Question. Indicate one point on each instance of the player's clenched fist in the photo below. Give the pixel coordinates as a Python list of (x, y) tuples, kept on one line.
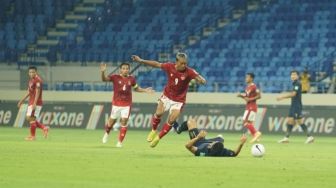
[(136, 58)]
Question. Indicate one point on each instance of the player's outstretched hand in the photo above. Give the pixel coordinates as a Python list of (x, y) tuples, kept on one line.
[(149, 90), (136, 58), (202, 134), (103, 67), (243, 139)]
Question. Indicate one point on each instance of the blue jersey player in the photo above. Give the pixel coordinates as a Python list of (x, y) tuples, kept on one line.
[(200, 146), (295, 111)]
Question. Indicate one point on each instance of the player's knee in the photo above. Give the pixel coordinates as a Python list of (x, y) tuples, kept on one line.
[(290, 121), (30, 118), (191, 123), (123, 122), (111, 121)]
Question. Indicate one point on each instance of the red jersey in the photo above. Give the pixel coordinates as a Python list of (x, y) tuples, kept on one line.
[(35, 83), (178, 82), (122, 89), (251, 91)]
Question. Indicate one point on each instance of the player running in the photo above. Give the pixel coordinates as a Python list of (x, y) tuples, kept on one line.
[(200, 146), (251, 95), (174, 94), (295, 111), (34, 93), (122, 99)]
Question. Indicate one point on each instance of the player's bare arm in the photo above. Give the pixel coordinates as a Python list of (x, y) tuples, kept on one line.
[(23, 99), (241, 95), (144, 90), (241, 144), (151, 63), (102, 70), (287, 96), (200, 80), (190, 144)]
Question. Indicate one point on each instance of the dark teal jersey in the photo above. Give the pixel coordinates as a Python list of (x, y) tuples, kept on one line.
[(296, 100)]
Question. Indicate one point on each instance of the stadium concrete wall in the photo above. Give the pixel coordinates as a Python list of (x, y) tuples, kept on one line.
[(220, 112)]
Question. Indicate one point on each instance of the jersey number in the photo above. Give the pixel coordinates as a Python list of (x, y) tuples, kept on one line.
[(124, 88), (176, 81)]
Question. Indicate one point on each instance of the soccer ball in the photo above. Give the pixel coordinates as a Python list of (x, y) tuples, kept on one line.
[(258, 150)]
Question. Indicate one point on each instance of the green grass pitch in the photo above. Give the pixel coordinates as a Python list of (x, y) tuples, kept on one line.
[(76, 158)]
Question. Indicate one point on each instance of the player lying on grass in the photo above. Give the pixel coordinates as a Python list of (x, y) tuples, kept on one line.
[(200, 146)]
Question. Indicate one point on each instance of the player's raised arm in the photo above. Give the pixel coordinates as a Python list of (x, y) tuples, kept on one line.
[(102, 70), (190, 144), (151, 63), (241, 144), (23, 99), (200, 80)]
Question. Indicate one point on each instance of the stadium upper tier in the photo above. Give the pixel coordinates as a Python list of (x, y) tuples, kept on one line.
[(270, 40)]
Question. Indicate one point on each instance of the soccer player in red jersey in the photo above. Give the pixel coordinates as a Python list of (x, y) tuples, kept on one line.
[(122, 99), (251, 95), (174, 94), (35, 103)]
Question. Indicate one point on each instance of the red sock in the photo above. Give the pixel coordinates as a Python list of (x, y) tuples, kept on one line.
[(251, 128), (32, 128), (108, 129), (155, 122), (40, 125), (165, 129), (122, 133)]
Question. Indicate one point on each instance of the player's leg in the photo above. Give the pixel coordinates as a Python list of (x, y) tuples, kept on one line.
[(32, 123), (290, 125), (156, 119), (310, 139), (180, 128), (249, 118), (44, 128), (115, 113), (173, 115), (192, 128), (109, 125), (123, 125)]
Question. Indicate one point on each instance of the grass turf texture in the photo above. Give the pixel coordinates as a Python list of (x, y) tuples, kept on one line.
[(76, 158)]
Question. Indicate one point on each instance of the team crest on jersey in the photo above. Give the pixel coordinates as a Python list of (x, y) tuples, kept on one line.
[(129, 82), (119, 82), (171, 75), (183, 77)]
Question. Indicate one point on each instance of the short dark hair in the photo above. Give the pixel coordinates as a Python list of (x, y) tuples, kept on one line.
[(295, 71), (32, 67), (182, 55), (216, 149), (251, 74), (127, 64)]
